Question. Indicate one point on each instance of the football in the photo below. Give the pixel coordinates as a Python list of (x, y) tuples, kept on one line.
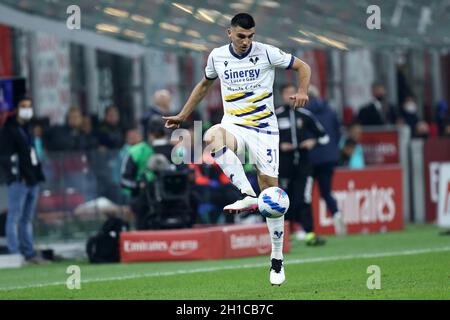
[(273, 202)]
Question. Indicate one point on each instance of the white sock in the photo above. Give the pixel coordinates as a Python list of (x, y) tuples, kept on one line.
[(233, 169), (276, 231)]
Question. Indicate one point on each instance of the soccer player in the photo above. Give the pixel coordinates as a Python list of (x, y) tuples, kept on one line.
[(246, 69)]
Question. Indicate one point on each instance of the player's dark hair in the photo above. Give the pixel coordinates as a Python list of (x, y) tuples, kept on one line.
[(243, 20)]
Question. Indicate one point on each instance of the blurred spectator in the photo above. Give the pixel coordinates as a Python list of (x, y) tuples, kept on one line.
[(132, 136), (442, 113), (327, 154), (38, 133), (88, 131), (158, 138), (23, 172), (348, 148), (325, 157), (422, 130), (162, 100), (378, 111), (135, 177), (354, 131), (446, 128), (71, 136), (408, 113), (109, 133)]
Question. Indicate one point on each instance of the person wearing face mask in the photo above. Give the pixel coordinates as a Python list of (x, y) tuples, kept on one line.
[(22, 168), (378, 112), (408, 112), (408, 115)]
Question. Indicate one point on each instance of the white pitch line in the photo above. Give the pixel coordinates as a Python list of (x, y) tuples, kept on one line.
[(243, 266)]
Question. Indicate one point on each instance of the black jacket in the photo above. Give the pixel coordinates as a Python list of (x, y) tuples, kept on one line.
[(110, 136), (65, 138), (370, 116), (18, 158), (296, 126)]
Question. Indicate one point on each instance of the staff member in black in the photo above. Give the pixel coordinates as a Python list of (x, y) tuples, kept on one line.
[(19, 160), (299, 133)]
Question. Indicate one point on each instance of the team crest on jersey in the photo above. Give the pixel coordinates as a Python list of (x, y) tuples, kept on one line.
[(254, 60)]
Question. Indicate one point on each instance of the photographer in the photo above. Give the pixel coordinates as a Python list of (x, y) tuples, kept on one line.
[(135, 176)]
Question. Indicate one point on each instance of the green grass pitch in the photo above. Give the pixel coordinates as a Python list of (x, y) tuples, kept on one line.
[(414, 264)]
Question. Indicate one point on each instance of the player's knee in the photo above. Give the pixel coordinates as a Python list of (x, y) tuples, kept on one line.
[(215, 136)]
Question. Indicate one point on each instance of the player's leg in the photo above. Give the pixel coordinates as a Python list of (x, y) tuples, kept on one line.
[(276, 231), (224, 148), (275, 225), (267, 155), (324, 175)]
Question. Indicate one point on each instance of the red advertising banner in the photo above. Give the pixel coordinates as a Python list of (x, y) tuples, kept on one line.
[(5, 51), (220, 242), (184, 244), (250, 240), (371, 200), (436, 151), (380, 147)]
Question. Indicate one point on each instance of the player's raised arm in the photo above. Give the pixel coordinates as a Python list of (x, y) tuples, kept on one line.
[(304, 76), (197, 95)]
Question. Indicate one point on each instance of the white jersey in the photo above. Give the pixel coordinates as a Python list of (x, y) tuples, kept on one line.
[(247, 84)]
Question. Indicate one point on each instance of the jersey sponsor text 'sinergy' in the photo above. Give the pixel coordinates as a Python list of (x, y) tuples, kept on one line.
[(247, 83)]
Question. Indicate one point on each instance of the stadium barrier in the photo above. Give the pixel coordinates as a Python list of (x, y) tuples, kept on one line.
[(371, 200), (381, 145), (389, 145), (231, 241)]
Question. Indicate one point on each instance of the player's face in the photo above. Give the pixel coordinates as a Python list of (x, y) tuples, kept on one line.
[(241, 38)]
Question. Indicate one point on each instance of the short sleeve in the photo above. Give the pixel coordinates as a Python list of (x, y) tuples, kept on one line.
[(210, 70), (279, 58)]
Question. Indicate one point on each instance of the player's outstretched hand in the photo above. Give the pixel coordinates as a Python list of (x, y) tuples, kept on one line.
[(173, 122), (300, 99)]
